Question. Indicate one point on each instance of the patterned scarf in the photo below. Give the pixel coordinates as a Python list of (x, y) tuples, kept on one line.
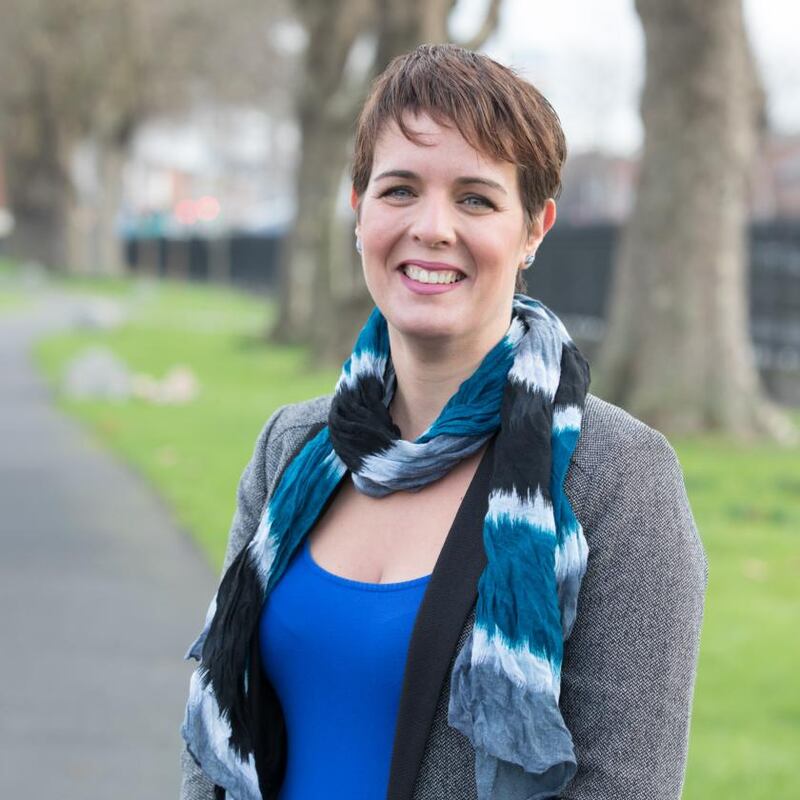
[(530, 390)]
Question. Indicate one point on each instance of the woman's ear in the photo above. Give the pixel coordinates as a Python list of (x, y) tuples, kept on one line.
[(355, 201), (542, 223), (549, 215)]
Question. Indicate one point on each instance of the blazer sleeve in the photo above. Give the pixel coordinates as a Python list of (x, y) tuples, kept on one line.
[(629, 665), (251, 497)]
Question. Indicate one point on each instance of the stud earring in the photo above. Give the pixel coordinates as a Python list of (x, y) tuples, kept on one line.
[(359, 248), (529, 259)]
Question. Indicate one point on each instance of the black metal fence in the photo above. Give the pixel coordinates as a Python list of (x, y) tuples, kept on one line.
[(572, 275), (246, 260)]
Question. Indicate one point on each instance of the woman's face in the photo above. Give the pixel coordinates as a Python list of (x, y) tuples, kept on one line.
[(443, 234)]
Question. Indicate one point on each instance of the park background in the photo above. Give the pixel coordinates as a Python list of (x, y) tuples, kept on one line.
[(173, 211)]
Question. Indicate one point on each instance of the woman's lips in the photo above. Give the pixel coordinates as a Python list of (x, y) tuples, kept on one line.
[(428, 288)]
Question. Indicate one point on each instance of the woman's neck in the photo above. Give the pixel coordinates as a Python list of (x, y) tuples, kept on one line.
[(427, 377)]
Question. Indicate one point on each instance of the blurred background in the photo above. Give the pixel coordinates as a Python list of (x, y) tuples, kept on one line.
[(177, 261)]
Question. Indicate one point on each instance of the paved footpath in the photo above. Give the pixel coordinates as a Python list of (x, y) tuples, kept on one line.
[(100, 594)]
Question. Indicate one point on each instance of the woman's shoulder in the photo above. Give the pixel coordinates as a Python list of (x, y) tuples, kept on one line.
[(284, 432), (627, 488), (301, 417), (619, 462), (609, 433)]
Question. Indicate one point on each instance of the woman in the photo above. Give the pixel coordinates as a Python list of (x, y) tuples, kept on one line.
[(480, 581)]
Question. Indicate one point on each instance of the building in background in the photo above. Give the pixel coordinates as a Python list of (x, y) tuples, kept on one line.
[(601, 188), (215, 171), (597, 188), (219, 170), (776, 179)]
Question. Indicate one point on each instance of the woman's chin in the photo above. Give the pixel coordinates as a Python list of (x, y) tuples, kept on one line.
[(426, 326)]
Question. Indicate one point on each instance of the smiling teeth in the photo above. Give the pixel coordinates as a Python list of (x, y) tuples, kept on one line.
[(433, 276)]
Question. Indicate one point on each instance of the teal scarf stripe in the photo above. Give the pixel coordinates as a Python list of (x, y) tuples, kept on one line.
[(475, 408), (530, 618), (370, 353), (299, 498), (572, 551), (563, 442)]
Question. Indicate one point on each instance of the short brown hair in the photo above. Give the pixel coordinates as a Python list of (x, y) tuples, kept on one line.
[(496, 111)]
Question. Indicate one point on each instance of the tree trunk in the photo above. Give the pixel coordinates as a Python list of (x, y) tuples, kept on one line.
[(325, 111), (108, 245), (39, 198), (678, 352), (93, 244), (305, 276)]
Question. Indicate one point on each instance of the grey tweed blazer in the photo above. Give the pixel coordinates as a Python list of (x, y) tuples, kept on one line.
[(629, 665)]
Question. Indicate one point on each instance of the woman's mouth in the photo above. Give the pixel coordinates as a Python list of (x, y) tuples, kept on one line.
[(422, 280), (431, 276)]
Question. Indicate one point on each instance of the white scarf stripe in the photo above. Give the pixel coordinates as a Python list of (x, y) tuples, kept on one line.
[(536, 510), (538, 368), (567, 418), (547, 316), (362, 365), (263, 552), (391, 467), (571, 555), (217, 733), (522, 667), (516, 331)]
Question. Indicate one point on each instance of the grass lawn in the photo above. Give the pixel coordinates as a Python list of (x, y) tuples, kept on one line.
[(746, 722), (12, 296), (192, 454), (746, 500), (12, 301)]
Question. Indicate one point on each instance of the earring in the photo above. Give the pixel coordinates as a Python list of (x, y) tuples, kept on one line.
[(529, 259), (359, 248)]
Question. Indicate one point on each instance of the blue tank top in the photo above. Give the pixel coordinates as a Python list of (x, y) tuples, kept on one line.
[(335, 650)]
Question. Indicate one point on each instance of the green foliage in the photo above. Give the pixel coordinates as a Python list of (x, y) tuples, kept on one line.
[(746, 722)]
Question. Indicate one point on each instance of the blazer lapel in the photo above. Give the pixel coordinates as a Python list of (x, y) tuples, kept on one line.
[(448, 600)]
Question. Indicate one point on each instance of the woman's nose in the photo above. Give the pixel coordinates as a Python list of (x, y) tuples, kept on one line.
[(433, 222)]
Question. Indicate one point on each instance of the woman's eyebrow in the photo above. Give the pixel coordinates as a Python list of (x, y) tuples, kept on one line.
[(409, 175)]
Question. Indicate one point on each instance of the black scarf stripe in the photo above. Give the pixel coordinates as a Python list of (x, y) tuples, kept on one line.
[(359, 423)]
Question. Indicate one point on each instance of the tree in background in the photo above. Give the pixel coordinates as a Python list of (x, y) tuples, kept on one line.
[(326, 98), (73, 69), (323, 300), (80, 72), (92, 71), (678, 353)]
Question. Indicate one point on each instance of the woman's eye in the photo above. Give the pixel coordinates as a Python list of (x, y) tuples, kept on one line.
[(479, 202), (406, 192), (400, 192)]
